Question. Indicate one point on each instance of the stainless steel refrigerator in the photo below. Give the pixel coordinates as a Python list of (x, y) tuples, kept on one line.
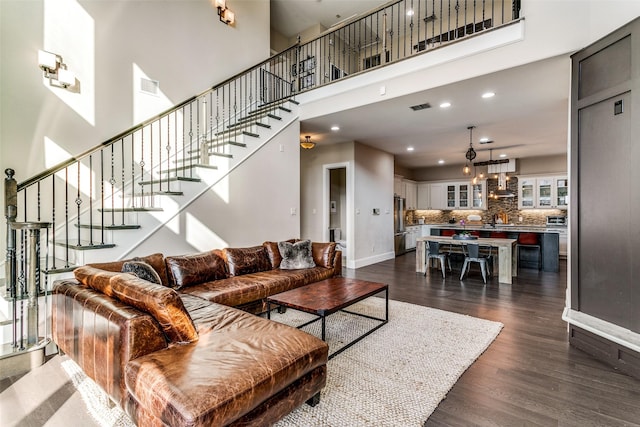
[(400, 234)]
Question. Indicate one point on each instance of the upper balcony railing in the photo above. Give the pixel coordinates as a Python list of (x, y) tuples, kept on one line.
[(396, 31)]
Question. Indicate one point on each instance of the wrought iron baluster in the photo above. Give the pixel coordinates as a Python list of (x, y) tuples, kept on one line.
[(78, 203), (90, 199), (122, 183), (112, 181), (101, 197)]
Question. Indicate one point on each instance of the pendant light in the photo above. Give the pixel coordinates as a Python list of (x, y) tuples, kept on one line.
[(470, 154)]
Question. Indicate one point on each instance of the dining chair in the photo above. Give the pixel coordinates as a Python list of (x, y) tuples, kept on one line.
[(472, 254), (433, 252)]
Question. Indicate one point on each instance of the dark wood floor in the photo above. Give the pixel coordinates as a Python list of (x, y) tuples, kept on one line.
[(529, 375)]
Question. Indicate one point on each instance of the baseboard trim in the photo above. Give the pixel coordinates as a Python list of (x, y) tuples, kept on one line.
[(612, 353), (363, 262)]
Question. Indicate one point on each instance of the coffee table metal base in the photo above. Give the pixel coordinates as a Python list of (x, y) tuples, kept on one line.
[(323, 314)]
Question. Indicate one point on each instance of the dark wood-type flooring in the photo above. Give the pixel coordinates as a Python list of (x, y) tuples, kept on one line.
[(529, 375)]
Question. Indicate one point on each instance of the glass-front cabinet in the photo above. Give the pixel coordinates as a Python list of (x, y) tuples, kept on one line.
[(543, 192), (526, 190), (451, 196), (463, 196), (477, 196), (562, 192)]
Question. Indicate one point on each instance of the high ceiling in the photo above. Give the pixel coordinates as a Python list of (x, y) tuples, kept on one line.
[(527, 117)]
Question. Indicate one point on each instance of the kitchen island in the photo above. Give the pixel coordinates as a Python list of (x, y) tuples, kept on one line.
[(548, 238), (507, 259)]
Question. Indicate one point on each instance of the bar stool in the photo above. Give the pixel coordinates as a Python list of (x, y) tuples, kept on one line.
[(472, 253), (433, 252), (531, 241)]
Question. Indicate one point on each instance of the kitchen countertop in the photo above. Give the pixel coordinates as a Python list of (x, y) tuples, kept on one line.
[(499, 227)]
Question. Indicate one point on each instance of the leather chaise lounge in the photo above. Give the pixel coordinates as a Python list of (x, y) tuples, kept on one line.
[(181, 352)]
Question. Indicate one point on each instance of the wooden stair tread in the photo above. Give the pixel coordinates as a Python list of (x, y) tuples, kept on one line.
[(109, 227), (85, 245)]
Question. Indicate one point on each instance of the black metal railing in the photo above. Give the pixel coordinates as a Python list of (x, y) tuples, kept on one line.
[(94, 190), (396, 31)]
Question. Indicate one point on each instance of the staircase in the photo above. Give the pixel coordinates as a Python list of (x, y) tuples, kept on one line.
[(101, 205)]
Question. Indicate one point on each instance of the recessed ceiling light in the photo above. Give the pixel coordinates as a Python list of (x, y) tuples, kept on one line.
[(445, 105), (503, 155), (484, 139), (409, 148), (335, 128), (441, 162), (410, 12), (488, 95)]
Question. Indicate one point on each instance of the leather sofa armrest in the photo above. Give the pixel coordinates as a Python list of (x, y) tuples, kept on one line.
[(337, 264), (101, 334)]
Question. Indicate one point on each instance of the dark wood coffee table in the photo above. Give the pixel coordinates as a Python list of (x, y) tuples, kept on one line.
[(330, 296)]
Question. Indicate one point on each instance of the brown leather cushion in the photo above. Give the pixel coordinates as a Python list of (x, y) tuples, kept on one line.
[(323, 254), (161, 302), (271, 248), (188, 270), (246, 260), (95, 278), (155, 260)]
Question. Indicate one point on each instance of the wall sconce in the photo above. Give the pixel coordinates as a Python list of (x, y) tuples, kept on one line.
[(225, 15), (55, 70)]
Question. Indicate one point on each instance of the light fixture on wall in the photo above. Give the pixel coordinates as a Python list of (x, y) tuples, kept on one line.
[(470, 154), (55, 70), (307, 143), (226, 15)]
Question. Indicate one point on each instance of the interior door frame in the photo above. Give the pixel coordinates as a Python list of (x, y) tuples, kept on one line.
[(326, 195)]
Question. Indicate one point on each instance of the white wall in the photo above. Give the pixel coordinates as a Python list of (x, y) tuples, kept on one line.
[(311, 181), (373, 183), (369, 237), (261, 194), (180, 43)]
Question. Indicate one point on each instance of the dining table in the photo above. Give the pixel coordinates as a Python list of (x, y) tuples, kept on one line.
[(507, 257)]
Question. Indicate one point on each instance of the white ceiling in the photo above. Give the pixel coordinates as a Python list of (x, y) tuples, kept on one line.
[(528, 116)]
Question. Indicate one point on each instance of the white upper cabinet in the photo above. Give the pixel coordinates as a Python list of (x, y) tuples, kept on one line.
[(411, 194), (398, 186), (548, 192), (437, 196)]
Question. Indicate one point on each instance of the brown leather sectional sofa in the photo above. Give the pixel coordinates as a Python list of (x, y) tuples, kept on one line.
[(182, 353)]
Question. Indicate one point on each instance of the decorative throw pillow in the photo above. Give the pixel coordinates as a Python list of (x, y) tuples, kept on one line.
[(142, 270), (296, 255), (188, 270), (271, 248), (246, 260), (161, 302)]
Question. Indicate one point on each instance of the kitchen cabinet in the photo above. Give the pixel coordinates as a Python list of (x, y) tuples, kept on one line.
[(431, 196), (464, 195), (411, 194), (398, 186), (413, 232), (424, 195), (549, 192), (437, 196), (479, 196)]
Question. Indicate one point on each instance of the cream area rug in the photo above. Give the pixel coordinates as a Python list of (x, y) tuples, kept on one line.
[(396, 376)]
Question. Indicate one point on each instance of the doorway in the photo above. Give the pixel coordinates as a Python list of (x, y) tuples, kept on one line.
[(336, 201)]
